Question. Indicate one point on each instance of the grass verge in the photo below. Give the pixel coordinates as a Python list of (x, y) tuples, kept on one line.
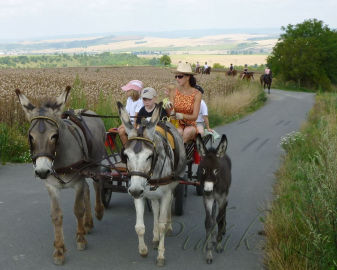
[(301, 227), (236, 105)]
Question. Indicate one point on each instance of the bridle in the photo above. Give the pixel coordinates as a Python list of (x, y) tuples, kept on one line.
[(42, 154), (148, 175)]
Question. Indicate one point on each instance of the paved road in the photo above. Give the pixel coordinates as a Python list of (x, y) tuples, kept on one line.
[(26, 233)]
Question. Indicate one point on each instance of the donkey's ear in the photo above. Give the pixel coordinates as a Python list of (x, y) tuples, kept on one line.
[(151, 126), (27, 107), (61, 100), (124, 116), (201, 146), (222, 147)]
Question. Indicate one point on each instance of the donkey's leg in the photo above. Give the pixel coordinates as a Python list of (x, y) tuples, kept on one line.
[(169, 228), (164, 208), (155, 210), (57, 218), (88, 221), (79, 210), (221, 220), (99, 207), (209, 225), (140, 227)]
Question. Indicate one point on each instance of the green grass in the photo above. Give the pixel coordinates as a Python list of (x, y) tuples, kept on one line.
[(301, 226)]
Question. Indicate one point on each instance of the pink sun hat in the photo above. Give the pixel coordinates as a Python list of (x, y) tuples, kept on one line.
[(133, 85)]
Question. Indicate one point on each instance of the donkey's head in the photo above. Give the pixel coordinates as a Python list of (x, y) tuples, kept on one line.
[(140, 151), (44, 130), (211, 167)]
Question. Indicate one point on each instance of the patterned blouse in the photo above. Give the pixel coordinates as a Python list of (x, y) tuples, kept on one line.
[(185, 104)]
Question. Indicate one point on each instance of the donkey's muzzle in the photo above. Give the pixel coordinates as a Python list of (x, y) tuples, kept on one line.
[(208, 192), (43, 174), (136, 193)]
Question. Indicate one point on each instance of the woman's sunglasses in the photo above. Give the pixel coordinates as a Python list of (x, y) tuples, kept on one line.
[(179, 76)]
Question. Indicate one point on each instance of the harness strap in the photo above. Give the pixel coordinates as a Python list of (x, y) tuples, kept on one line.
[(46, 118)]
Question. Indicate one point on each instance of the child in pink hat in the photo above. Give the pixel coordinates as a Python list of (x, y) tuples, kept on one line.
[(134, 103)]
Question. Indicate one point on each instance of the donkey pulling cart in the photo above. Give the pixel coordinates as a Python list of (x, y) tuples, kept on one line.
[(115, 177)]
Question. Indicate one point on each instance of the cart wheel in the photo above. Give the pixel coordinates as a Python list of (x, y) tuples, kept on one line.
[(179, 200), (106, 196)]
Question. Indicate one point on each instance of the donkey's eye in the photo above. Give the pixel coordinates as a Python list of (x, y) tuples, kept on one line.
[(149, 157), (215, 171), (54, 137)]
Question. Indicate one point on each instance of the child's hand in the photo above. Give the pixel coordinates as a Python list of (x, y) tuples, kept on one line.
[(210, 130)]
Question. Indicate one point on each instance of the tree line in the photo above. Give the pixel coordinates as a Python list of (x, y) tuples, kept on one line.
[(306, 54), (64, 60)]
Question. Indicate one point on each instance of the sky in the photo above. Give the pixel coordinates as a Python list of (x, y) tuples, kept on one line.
[(28, 19)]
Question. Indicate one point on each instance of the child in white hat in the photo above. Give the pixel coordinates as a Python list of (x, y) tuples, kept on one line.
[(149, 96)]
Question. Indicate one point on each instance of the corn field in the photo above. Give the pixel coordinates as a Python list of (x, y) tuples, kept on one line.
[(39, 84)]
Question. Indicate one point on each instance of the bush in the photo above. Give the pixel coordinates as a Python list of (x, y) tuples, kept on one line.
[(217, 65), (13, 145), (165, 60)]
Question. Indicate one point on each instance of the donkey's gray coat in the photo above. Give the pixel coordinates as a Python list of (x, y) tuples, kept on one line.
[(140, 153), (55, 146)]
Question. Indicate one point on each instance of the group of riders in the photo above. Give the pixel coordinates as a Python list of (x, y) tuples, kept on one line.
[(231, 70)]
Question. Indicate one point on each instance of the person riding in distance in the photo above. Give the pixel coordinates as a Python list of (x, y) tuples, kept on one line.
[(231, 68), (133, 104), (185, 101), (149, 96), (267, 72), (245, 71), (205, 66)]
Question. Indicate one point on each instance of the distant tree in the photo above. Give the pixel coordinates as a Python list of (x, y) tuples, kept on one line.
[(306, 53), (165, 60)]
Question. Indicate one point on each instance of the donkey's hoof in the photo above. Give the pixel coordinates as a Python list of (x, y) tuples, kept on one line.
[(219, 249), (80, 246), (169, 231), (155, 244), (99, 214), (143, 252), (209, 260), (160, 262), (59, 260)]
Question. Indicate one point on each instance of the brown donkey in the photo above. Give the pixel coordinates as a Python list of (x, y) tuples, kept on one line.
[(214, 174), (59, 151)]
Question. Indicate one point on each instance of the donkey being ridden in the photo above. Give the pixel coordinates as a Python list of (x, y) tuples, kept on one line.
[(214, 174), (153, 168), (58, 149)]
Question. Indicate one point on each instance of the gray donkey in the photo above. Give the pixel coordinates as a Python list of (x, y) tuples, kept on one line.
[(58, 150), (154, 168), (214, 174)]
